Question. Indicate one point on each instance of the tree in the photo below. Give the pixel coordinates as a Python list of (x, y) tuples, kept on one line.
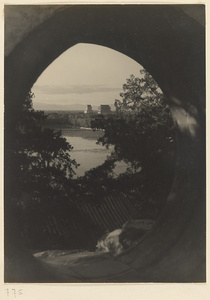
[(97, 123), (139, 94), (42, 159), (143, 130), (42, 173), (142, 133)]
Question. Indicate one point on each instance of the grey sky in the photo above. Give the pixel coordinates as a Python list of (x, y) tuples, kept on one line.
[(84, 74)]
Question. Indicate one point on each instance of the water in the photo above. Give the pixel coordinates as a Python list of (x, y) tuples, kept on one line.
[(90, 155)]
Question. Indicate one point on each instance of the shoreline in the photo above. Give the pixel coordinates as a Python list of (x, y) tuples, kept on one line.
[(83, 132)]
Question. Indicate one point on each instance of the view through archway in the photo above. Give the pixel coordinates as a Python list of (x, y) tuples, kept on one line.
[(111, 188)]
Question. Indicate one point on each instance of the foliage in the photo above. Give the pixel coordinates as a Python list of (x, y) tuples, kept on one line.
[(139, 94), (98, 123), (42, 172), (142, 132), (41, 157), (71, 119), (97, 182)]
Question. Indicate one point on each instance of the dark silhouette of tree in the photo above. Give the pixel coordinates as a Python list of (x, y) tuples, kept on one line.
[(42, 172), (142, 131), (98, 123), (143, 135), (41, 156)]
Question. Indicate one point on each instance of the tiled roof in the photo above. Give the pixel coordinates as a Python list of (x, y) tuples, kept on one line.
[(111, 213), (87, 221)]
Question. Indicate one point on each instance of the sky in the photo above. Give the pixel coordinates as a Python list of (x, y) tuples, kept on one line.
[(84, 74)]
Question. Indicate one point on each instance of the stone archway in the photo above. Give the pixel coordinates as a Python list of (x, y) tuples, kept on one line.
[(170, 45)]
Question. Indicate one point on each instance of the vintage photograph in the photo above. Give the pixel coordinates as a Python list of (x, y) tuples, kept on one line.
[(104, 144)]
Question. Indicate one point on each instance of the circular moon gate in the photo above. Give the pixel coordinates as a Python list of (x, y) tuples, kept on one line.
[(171, 46)]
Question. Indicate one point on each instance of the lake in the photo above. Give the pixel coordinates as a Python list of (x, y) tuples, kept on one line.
[(90, 155)]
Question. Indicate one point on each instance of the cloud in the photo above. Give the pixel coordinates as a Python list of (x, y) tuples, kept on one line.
[(74, 89)]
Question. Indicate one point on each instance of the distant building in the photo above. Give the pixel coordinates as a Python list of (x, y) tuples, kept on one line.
[(104, 109), (88, 109)]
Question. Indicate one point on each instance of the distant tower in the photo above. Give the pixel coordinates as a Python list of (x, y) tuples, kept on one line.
[(88, 109), (104, 109)]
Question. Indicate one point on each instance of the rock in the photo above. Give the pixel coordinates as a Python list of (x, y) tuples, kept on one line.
[(110, 242), (133, 230), (121, 239)]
